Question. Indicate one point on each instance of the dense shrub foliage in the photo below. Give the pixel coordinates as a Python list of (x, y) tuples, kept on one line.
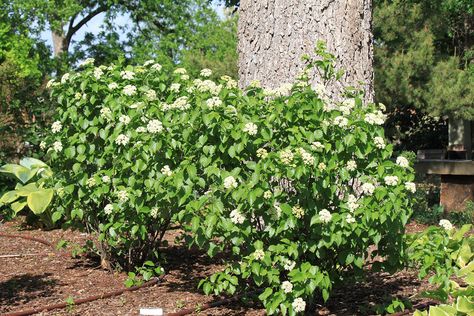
[(295, 185)]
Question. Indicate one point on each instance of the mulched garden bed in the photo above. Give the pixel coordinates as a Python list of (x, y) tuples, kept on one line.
[(32, 281)]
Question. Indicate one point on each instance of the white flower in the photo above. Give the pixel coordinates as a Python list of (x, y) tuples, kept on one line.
[(348, 103), (137, 105), (112, 86), (184, 77), (65, 77), (379, 142), (317, 146), (206, 72), (287, 287), (262, 153), (367, 188), (91, 182), (154, 212), (289, 265), (341, 121), (166, 171), (250, 128), (267, 195), (105, 113), (150, 94), (446, 224), (122, 139), (77, 95), (231, 84), (410, 186), (156, 67), (42, 145), (180, 71), (154, 126), (352, 204), (86, 62), (106, 179), (351, 165), (391, 180), (230, 182), (297, 211), (236, 217), (255, 84), (259, 254), (122, 196), (299, 305), (308, 159), (125, 119), (98, 73), (320, 89), (128, 75), (325, 216), (321, 166), (277, 207), (375, 118), (350, 219), (213, 102), (56, 127), (108, 209), (141, 129), (286, 156), (180, 103), (129, 90), (50, 83), (175, 87), (403, 162), (148, 62), (207, 86), (57, 146)]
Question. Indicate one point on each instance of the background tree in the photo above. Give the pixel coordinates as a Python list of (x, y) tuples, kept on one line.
[(273, 35)]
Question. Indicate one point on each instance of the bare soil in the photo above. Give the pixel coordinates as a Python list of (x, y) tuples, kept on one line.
[(32, 276)]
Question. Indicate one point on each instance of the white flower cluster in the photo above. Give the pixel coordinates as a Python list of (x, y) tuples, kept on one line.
[(287, 287), (98, 73), (289, 265), (282, 90), (207, 86), (122, 196), (65, 77), (206, 72), (112, 86), (325, 216), (137, 105), (262, 153), (108, 209), (122, 139), (154, 126), (141, 129), (127, 75), (236, 217), (410, 186), (391, 180), (267, 195), (307, 158), (56, 127), (88, 61), (299, 305), (259, 254), (446, 224), (250, 128), (352, 204), (148, 62), (277, 207), (379, 142), (286, 156), (213, 102), (403, 162), (322, 166), (180, 103), (297, 211), (125, 119), (346, 106), (150, 94), (341, 121), (350, 219), (129, 90), (105, 113), (375, 118), (317, 146), (42, 145), (180, 71), (57, 146), (255, 84), (166, 171), (106, 179), (230, 83), (91, 182), (367, 188), (351, 165), (156, 67), (175, 87), (230, 182)]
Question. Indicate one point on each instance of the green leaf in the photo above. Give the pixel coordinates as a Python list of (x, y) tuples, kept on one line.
[(18, 206), (22, 173), (38, 201)]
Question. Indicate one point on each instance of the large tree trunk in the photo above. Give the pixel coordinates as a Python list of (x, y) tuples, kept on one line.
[(274, 34), (60, 43)]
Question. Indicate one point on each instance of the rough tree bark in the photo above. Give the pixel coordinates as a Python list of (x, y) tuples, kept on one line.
[(274, 34)]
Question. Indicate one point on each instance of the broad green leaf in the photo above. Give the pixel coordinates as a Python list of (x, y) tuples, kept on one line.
[(39, 200)]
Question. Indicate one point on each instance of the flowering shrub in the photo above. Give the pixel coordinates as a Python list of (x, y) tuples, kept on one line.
[(295, 184)]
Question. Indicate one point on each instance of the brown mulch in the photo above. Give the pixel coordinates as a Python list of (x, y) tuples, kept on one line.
[(33, 281)]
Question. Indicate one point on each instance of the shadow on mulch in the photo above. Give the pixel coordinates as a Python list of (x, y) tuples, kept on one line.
[(24, 288)]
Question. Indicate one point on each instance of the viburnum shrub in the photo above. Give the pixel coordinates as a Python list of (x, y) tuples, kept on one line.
[(295, 184)]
